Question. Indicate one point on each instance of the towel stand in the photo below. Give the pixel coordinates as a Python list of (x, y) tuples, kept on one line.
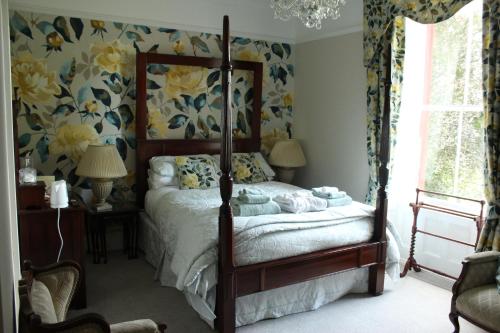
[(411, 262)]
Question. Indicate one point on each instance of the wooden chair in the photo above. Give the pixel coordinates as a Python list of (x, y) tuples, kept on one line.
[(45, 294), (475, 296)]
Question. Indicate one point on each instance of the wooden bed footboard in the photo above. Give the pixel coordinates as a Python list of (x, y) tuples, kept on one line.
[(283, 272)]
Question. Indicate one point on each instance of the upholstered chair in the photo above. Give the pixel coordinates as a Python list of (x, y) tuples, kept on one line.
[(475, 294), (45, 295)]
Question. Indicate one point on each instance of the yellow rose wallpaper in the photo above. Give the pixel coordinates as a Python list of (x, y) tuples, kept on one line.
[(75, 79), (114, 57), (185, 80), (72, 140), (34, 83)]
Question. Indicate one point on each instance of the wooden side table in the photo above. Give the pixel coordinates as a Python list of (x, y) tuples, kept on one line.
[(96, 230), (39, 240)]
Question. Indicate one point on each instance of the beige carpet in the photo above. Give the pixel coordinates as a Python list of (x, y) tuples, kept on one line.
[(124, 290)]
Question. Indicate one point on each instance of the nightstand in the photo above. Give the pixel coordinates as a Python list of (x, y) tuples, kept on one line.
[(39, 240), (96, 221)]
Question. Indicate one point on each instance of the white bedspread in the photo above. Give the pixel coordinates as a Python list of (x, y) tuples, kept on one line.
[(188, 222)]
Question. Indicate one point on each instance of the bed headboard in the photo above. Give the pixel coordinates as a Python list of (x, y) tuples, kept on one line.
[(147, 148)]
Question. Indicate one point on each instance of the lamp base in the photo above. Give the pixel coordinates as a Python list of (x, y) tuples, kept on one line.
[(285, 175), (102, 207), (102, 189)]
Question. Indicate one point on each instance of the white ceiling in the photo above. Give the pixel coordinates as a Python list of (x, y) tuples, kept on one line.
[(249, 18)]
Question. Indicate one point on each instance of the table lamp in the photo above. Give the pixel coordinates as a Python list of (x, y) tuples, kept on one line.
[(101, 163), (287, 155)]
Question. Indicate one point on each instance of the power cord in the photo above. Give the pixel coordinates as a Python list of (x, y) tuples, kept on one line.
[(59, 231)]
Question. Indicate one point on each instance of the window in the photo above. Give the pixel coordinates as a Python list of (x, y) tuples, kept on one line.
[(452, 150), (440, 135)]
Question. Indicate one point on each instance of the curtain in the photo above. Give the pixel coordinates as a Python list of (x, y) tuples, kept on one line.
[(490, 234), (384, 24)]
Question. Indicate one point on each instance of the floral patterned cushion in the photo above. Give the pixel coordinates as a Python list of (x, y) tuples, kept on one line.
[(197, 172), (247, 169)]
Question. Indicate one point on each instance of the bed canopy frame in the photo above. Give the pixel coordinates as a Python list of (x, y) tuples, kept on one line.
[(236, 281)]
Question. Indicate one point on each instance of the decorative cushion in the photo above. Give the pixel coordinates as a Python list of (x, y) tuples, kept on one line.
[(268, 170), (265, 166), (61, 283), (197, 172), (247, 169), (481, 304), (41, 302)]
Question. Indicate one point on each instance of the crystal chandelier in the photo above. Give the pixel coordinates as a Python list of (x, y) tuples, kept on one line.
[(310, 12)]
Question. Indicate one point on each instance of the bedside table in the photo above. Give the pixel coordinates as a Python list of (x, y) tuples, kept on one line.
[(39, 240), (96, 230)]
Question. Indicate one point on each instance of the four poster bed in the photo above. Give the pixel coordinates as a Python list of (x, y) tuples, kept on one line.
[(235, 277)]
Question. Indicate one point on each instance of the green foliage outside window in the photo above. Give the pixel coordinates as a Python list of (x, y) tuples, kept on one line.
[(456, 115)]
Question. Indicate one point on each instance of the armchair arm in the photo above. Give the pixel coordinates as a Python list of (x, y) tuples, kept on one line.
[(138, 326), (478, 269), (87, 323)]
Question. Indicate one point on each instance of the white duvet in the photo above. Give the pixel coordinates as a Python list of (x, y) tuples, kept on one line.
[(188, 223)]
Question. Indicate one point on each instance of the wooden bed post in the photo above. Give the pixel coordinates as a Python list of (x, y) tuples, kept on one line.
[(377, 272), (226, 285)]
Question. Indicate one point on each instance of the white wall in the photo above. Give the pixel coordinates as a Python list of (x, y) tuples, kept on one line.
[(350, 20), (9, 253), (330, 113)]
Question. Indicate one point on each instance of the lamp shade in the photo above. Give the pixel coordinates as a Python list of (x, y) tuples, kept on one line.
[(101, 161), (287, 154)]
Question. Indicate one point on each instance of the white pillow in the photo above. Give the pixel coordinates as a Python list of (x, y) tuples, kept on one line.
[(155, 181), (163, 165), (263, 164)]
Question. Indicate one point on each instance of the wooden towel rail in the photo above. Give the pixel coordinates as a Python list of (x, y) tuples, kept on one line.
[(411, 262)]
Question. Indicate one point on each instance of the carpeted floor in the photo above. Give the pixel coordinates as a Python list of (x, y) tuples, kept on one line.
[(124, 290)]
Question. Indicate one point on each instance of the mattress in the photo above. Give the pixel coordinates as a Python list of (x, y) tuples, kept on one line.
[(186, 221)]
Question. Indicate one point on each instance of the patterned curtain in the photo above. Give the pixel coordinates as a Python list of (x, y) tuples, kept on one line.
[(490, 235), (384, 18)]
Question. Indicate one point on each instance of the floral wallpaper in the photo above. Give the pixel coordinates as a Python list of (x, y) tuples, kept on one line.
[(186, 102), (76, 81)]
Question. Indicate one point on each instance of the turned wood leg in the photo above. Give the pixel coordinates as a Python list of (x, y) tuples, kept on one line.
[(454, 320)]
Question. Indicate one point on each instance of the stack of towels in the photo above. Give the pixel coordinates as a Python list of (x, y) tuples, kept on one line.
[(320, 198), (300, 202), (253, 202), (332, 196)]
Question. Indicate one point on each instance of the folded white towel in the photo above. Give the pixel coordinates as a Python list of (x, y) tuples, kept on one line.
[(300, 202)]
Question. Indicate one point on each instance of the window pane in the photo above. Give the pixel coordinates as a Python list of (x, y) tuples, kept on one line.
[(454, 156), (470, 175), (441, 150), (448, 61)]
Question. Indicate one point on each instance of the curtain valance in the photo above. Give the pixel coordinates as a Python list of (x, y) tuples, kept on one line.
[(379, 14)]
